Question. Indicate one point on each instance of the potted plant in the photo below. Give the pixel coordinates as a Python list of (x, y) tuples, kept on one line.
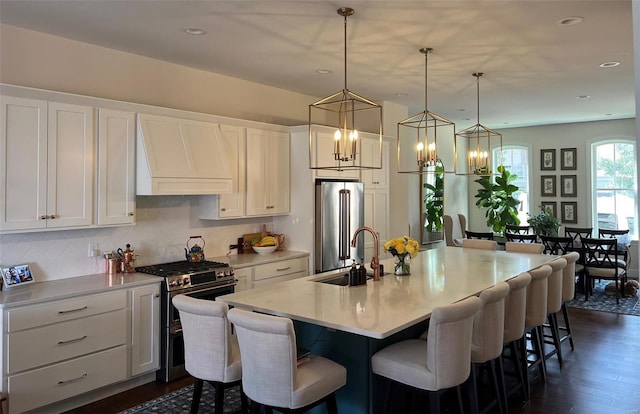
[(544, 223), (434, 206), (498, 200)]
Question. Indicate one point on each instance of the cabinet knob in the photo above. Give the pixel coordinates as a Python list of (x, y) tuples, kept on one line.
[(131, 214), (43, 217), (157, 295), (223, 209), (52, 216)]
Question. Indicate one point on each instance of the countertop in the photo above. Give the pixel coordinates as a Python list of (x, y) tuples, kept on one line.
[(45, 291), (239, 261), (379, 309)]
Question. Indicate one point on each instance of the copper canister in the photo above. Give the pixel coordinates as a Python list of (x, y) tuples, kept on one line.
[(113, 265)]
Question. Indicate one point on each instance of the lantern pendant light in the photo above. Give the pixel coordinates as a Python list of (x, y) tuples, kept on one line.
[(346, 113), (476, 143), (424, 139)]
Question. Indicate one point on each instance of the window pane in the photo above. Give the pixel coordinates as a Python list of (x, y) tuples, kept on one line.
[(516, 160)]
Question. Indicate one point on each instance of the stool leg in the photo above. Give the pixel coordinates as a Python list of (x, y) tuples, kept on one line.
[(219, 398), (197, 392), (525, 365), (332, 406), (473, 389), (502, 395), (567, 325)]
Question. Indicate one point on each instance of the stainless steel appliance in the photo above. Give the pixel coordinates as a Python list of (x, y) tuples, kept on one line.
[(202, 280), (339, 211)]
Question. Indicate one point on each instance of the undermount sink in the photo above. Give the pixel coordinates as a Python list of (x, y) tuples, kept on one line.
[(343, 279)]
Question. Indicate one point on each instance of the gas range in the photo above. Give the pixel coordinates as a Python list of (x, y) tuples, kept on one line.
[(184, 274)]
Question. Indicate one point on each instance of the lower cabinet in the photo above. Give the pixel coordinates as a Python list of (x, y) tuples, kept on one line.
[(64, 348), (269, 273)]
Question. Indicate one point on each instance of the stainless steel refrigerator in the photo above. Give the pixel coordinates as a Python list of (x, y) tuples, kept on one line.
[(339, 212)]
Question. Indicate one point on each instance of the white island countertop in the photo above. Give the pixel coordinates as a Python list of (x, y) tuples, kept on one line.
[(379, 309)]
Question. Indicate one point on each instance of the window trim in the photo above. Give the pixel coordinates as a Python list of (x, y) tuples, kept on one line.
[(529, 149)]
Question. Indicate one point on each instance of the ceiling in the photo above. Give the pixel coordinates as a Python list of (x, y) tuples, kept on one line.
[(534, 68)]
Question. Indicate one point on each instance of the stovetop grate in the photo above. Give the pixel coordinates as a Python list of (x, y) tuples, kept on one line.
[(179, 268)]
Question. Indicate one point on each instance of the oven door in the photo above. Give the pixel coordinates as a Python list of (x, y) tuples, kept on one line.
[(206, 293)]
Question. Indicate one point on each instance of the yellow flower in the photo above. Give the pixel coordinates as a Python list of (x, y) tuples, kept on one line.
[(402, 245)]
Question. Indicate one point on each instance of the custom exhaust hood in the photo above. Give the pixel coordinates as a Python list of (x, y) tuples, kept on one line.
[(180, 157)]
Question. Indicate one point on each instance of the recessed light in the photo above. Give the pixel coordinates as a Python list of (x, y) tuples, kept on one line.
[(570, 21), (401, 94), (611, 64), (461, 109), (608, 114), (324, 71), (583, 96), (466, 119), (194, 31)]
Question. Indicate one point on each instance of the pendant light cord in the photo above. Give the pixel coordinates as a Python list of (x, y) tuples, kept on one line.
[(345, 51)]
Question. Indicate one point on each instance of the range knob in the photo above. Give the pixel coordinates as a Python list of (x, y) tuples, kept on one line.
[(173, 283), (186, 281)]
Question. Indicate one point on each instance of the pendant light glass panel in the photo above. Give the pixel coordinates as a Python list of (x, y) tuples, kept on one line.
[(426, 140), (348, 114)]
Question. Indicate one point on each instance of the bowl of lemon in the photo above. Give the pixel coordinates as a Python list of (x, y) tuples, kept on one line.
[(267, 245)]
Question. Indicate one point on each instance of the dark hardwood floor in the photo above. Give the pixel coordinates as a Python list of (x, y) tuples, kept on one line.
[(602, 375)]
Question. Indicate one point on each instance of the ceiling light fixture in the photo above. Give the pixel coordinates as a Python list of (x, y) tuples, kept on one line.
[(611, 64), (419, 150), (478, 141), (194, 31), (345, 111)]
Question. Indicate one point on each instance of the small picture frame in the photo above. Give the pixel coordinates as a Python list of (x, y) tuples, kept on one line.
[(16, 275), (568, 159), (548, 159), (568, 186), (548, 185), (550, 205), (569, 212)]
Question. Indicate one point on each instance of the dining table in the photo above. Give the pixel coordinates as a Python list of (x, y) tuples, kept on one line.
[(348, 324)]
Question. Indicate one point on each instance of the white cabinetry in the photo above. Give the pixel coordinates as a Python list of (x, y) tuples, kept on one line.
[(116, 167), (280, 271), (377, 178), (244, 278), (46, 164), (145, 329), (376, 195), (267, 173)]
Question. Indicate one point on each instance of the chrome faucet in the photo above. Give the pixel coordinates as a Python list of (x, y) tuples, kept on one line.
[(375, 260)]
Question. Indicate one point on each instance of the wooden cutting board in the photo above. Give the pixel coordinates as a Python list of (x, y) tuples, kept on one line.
[(247, 238)]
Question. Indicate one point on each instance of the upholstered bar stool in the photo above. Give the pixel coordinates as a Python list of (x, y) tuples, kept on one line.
[(211, 351), (535, 316), (568, 293), (535, 248), (515, 307), (487, 344), (554, 305), (271, 376), (480, 244), (441, 362)]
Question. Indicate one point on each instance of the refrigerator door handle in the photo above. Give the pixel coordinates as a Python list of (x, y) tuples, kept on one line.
[(345, 224)]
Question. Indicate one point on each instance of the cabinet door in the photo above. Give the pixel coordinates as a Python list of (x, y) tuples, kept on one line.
[(324, 157), (145, 329), (375, 178), (245, 279), (233, 147), (376, 207), (23, 164), (278, 180), (70, 165), (116, 167)]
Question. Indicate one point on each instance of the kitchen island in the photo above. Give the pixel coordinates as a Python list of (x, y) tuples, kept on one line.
[(349, 324)]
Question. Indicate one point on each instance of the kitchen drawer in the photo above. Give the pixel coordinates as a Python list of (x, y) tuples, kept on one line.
[(52, 343), (47, 385), (277, 279), (283, 267), (64, 310)]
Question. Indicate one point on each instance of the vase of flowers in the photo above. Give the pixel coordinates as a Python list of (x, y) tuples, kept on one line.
[(403, 250)]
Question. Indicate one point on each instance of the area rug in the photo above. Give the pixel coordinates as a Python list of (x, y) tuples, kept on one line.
[(179, 401), (606, 302)]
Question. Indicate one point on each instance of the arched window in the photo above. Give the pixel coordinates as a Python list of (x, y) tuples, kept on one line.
[(615, 199), (515, 158)]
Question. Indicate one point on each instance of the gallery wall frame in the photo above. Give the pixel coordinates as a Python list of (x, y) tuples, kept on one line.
[(569, 211), (548, 185), (568, 159), (568, 185), (550, 205), (548, 159)]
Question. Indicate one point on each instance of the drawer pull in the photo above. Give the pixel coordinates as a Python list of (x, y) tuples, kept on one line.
[(283, 269), (69, 341), (72, 310), (83, 376)]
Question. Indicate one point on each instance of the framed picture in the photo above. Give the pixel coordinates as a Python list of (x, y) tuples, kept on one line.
[(568, 159), (568, 188), (548, 185), (569, 212), (550, 205), (16, 275), (548, 159)]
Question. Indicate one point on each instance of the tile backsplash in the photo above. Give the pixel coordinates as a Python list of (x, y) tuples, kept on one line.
[(163, 226)]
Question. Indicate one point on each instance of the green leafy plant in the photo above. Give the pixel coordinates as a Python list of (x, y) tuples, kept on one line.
[(434, 201), (544, 223), (496, 196)]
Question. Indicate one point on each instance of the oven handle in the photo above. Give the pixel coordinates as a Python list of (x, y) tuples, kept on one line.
[(194, 289)]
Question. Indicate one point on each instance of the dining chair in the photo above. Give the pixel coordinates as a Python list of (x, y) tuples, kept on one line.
[(453, 231), (441, 362), (479, 235), (535, 248), (535, 317), (480, 244), (487, 343), (623, 242), (272, 377), (603, 260), (554, 305), (211, 351), (568, 293), (510, 228), (515, 307), (521, 238), (577, 233), (557, 245)]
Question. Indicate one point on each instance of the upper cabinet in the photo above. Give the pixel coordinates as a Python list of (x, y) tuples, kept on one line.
[(116, 167), (178, 156), (46, 165), (267, 173), (375, 178)]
